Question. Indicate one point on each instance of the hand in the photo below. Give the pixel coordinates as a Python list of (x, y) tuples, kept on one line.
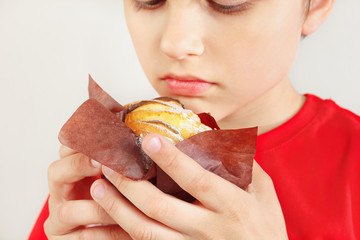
[(71, 206), (223, 211)]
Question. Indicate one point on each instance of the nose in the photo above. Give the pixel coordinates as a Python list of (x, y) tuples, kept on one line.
[(181, 37)]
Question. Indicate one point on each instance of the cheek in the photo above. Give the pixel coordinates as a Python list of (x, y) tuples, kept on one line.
[(143, 37), (142, 46), (261, 52)]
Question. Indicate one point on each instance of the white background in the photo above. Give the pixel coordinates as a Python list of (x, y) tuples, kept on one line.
[(47, 50)]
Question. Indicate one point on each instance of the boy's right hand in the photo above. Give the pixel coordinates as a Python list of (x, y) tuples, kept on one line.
[(72, 209)]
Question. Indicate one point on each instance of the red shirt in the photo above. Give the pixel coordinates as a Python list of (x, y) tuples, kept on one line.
[(314, 162)]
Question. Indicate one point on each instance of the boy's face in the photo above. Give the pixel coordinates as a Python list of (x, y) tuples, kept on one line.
[(241, 50)]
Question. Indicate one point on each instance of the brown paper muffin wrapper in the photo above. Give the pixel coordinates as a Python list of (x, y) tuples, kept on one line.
[(97, 130)]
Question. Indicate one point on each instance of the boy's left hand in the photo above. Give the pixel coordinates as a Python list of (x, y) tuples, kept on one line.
[(223, 210)]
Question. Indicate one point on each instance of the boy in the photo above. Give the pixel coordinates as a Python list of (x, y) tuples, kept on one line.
[(230, 58)]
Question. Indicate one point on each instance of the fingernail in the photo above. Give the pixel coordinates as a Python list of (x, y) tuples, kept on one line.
[(95, 164), (99, 191), (153, 145), (107, 171)]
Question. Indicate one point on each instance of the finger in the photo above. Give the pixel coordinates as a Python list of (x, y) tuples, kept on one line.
[(72, 214), (211, 190), (155, 204), (112, 232), (70, 170), (133, 221), (65, 151)]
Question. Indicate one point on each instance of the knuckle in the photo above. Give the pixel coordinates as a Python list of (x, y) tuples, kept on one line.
[(172, 162), (142, 232), (64, 212), (114, 233), (52, 170), (100, 212), (77, 162), (233, 214), (232, 206), (121, 182), (65, 151), (52, 203), (237, 210), (47, 227), (111, 206), (267, 181), (159, 208), (62, 151), (200, 182)]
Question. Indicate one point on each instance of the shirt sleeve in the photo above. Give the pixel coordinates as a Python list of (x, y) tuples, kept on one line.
[(38, 232)]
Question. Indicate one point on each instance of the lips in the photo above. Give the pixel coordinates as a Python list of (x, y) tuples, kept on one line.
[(186, 85)]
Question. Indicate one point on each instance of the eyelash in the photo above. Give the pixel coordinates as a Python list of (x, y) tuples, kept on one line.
[(230, 9), (148, 5), (224, 9)]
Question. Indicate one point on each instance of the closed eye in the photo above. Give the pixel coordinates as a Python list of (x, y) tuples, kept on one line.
[(149, 5), (230, 9)]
